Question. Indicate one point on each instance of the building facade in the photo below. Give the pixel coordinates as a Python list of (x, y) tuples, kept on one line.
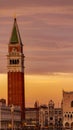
[(51, 114), (15, 57), (32, 116), (55, 116), (58, 114), (43, 116), (67, 110), (7, 116)]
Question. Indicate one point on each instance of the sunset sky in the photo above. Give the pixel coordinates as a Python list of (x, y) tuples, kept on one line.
[(46, 28)]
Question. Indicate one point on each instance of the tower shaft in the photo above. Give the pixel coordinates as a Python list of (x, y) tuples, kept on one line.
[(16, 89)]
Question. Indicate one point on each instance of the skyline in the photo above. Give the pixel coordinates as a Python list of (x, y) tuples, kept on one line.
[(46, 30), (46, 88)]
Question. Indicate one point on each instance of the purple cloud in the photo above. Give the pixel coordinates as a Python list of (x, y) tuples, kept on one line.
[(47, 33)]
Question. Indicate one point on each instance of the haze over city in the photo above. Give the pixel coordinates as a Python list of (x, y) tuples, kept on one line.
[(46, 29)]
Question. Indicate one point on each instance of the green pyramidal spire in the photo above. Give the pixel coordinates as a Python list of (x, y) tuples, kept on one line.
[(15, 36)]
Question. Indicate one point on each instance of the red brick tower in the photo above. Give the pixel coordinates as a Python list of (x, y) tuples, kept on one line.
[(16, 95)]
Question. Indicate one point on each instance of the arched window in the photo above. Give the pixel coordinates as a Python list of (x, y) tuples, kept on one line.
[(17, 61), (10, 61), (51, 124), (13, 61), (72, 125), (71, 116), (67, 125), (68, 115), (51, 118), (71, 103)]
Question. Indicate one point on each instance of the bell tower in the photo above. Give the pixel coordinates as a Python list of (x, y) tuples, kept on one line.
[(15, 58)]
